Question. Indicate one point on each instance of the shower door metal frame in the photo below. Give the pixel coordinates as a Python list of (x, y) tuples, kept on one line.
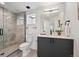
[(2, 31)]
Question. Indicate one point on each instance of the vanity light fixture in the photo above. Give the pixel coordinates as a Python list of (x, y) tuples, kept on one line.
[(50, 10)]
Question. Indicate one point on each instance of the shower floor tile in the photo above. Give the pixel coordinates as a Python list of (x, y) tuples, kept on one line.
[(9, 50), (18, 53)]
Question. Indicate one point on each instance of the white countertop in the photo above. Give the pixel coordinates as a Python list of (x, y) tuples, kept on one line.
[(52, 36)]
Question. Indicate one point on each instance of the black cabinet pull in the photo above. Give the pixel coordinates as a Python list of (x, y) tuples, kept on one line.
[(52, 41)]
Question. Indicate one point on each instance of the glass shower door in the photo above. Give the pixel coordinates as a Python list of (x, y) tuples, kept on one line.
[(10, 41), (1, 33), (11, 34)]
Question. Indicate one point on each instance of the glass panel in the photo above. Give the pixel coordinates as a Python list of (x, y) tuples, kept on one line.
[(13, 33), (1, 28), (10, 41)]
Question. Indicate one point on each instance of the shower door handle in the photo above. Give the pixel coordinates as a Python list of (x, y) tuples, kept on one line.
[(1, 31)]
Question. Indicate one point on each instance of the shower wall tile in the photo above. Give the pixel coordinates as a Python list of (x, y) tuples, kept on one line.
[(9, 28)]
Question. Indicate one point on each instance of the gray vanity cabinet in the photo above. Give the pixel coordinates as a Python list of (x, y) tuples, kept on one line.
[(54, 47), (44, 47)]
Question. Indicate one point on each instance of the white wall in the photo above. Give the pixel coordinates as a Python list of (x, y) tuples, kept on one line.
[(33, 30), (71, 14)]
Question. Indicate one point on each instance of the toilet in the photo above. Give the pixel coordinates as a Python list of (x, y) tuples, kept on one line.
[(25, 47)]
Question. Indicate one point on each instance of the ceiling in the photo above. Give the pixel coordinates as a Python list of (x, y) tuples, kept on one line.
[(17, 7)]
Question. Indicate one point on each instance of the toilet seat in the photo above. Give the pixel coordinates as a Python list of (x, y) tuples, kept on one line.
[(25, 47)]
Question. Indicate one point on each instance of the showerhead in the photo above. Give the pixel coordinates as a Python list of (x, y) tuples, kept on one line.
[(67, 21)]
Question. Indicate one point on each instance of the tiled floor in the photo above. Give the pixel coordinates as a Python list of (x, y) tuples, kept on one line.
[(33, 53), (18, 53)]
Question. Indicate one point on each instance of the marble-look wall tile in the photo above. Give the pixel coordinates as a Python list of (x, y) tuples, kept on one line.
[(9, 28)]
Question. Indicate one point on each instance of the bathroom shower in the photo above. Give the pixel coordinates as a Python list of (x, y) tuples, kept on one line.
[(11, 33)]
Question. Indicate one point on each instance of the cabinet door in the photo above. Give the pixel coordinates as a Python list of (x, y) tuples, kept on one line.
[(62, 48), (43, 47)]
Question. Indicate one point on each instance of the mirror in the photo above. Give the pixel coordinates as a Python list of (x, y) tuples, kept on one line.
[(50, 19)]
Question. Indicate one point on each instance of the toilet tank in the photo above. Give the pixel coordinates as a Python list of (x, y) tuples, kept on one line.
[(29, 38)]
